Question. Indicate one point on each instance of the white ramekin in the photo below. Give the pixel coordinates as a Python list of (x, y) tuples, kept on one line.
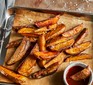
[(77, 64)]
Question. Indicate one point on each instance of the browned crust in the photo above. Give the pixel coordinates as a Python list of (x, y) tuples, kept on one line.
[(73, 31), (47, 22)]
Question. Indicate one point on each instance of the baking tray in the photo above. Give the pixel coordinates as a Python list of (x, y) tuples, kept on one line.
[(81, 6), (70, 20)]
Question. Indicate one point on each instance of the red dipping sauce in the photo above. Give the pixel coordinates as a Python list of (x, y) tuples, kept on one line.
[(71, 72)]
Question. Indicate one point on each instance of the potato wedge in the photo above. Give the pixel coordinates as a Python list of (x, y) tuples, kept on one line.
[(81, 37), (25, 68), (77, 49), (81, 56), (47, 22), (17, 78), (60, 57), (45, 72), (56, 40), (20, 51), (14, 43), (45, 55), (62, 46), (73, 31), (83, 74), (26, 30), (42, 42), (59, 30)]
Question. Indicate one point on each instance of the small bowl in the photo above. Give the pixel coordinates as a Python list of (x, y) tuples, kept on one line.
[(72, 64)]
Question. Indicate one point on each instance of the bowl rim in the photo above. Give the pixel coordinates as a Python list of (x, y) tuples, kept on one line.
[(77, 64)]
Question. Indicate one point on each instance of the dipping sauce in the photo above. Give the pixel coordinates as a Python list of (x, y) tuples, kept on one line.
[(71, 72)]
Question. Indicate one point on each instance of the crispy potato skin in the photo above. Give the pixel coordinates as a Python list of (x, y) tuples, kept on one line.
[(25, 68), (13, 44), (45, 72), (45, 55), (20, 51), (77, 49), (81, 74), (42, 42), (73, 31), (62, 46), (53, 33), (17, 78), (58, 58), (81, 37), (78, 57), (47, 22)]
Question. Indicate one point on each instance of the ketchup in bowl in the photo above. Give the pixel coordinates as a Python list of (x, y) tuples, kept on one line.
[(73, 70)]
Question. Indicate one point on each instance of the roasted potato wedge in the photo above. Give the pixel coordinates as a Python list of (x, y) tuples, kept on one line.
[(26, 30), (59, 30), (83, 74), (47, 22), (62, 46), (81, 37), (78, 57), (45, 72), (73, 31), (17, 78), (77, 49), (20, 51), (25, 68), (42, 42), (14, 43), (56, 40), (45, 55), (60, 57)]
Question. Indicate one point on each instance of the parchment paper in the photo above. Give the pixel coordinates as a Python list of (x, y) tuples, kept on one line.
[(70, 21)]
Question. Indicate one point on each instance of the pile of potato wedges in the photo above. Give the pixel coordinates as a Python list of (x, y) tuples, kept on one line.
[(48, 45)]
